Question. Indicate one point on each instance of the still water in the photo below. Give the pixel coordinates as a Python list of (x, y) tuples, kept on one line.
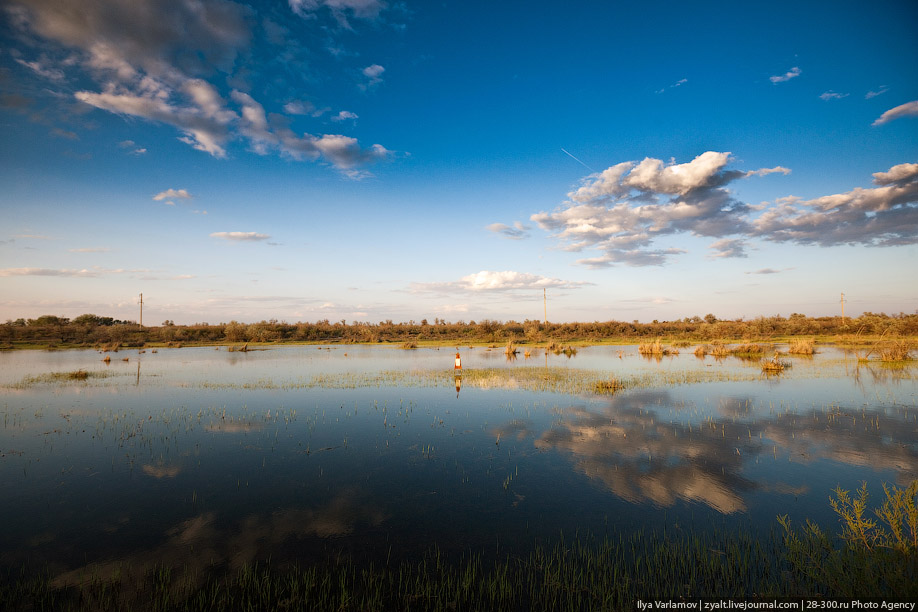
[(197, 456)]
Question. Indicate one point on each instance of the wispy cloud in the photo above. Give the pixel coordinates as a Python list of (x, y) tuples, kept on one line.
[(363, 9), (176, 73), (43, 70), (91, 250), (909, 109), (240, 236), (678, 83), (873, 94), (517, 232), (345, 116), (173, 194), (489, 281), (831, 95), (787, 76), (768, 271)]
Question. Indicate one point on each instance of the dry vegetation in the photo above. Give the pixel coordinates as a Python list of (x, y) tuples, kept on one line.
[(107, 333)]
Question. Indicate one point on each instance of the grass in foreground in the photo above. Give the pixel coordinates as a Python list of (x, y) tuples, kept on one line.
[(864, 560)]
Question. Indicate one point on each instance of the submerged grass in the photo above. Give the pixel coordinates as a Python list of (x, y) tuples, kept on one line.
[(586, 573), (527, 378), (61, 377), (580, 574)]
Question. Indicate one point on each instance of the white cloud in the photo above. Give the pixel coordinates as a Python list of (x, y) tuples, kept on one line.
[(728, 247), (787, 76), (91, 250), (52, 74), (831, 95), (47, 272), (344, 116), (909, 109), (625, 211), (160, 60), (240, 236), (767, 171), (873, 94), (886, 215), (517, 232), (373, 73), (364, 9), (488, 281), (173, 193)]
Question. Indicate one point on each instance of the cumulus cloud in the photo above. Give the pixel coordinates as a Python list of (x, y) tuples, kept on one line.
[(373, 74), (624, 209), (627, 210), (240, 236), (728, 247), (173, 193), (343, 152), (517, 232), (488, 281), (787, 76), (909, 109), (885, 215)]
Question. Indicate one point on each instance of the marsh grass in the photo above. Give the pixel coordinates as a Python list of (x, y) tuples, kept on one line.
[(656, 348), (408, 345), (61, 377), (583, 573), (748, 349), (773, 366), (865, 557), (801, 346), (895, 350)]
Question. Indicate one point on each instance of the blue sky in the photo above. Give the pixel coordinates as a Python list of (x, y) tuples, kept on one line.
[(368, 160)]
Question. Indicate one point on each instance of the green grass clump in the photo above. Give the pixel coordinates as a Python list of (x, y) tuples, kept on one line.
[(866, 557)]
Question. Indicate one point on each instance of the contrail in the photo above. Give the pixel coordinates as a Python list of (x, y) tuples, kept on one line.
[(574, 158)]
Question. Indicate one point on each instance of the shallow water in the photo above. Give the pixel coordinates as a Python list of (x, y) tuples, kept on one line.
[(197, 456)]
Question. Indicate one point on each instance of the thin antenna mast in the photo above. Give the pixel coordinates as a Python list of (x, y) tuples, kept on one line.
[(843, 308), (141, 310), (545, 300)]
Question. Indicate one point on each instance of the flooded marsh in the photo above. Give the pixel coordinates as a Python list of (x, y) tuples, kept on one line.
[(198, 458)]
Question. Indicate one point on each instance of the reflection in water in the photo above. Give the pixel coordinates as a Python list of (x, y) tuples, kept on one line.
[(202, 542), (639, 458)]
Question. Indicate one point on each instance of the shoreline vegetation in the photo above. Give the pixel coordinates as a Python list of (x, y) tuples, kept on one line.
[(875, 553), (888, 337)]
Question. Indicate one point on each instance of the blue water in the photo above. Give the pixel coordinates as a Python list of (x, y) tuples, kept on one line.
[(198, 455)]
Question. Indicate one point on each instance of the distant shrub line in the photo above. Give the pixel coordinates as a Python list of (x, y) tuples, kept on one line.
[(93, 330)]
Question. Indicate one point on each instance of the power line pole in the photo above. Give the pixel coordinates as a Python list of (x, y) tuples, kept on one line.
[(545, 300), (843, 308), (141, 310)]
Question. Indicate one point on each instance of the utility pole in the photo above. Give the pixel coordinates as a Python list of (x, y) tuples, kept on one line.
[(843, 308), (141, 310), (545, 300)]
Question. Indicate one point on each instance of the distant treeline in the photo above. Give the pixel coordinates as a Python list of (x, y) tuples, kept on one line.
[(93, 330)]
